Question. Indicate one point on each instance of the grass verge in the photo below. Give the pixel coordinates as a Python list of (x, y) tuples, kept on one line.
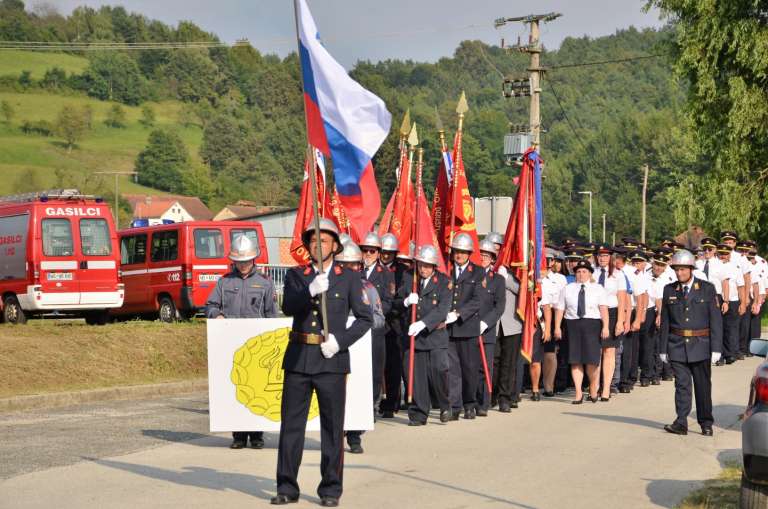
[(52, 356), (719, 493)]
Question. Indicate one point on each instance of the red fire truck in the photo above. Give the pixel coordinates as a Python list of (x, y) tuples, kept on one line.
[(59, 255), (170, 269)]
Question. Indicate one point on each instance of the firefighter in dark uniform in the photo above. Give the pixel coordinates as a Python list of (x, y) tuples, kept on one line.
[(691, 340), (433, 301), (493, 297), (464, 328), (384, 282), (243, 293), (394, 331), (314, 362)]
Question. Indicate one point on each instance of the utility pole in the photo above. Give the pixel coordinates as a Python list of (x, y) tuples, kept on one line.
[(645, 191), (117, 193), (603, 228), (535, 71)]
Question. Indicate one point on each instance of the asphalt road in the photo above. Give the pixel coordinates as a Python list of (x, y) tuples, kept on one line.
[(157, 453)]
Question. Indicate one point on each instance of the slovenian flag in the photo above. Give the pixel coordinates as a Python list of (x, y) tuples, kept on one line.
[(344, 121)]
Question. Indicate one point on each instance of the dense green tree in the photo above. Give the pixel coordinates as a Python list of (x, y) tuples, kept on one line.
[(163, 162), (115, 76), (115, 117), (7, 111), (147, 116), (71, 124)]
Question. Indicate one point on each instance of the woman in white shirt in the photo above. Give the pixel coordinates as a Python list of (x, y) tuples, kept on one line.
[(584, 306), (615, 284)]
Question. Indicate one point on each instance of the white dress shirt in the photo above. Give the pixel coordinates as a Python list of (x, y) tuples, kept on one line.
[(614, 283), (594, 297), (735, 277)]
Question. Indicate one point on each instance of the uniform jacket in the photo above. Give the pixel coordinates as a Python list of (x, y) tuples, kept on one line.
[(384, 281), (510, 320), (492, 301), (397, 318), (698, 310), (345, 294), (434, 304), (466, 301), (237, 297)]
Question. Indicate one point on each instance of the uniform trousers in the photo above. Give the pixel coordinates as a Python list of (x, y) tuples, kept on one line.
[(393, 372), (629, 354), (483, 396), (331, 389), (242, 436), (731, 323), (378, 352), (430, 376), (700, 372), (463, 362), (648, 346), (745, 329), (663, 369), (508, 364)]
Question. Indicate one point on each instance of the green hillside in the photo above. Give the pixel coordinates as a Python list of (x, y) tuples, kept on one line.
[(26, 156), (13, 62)]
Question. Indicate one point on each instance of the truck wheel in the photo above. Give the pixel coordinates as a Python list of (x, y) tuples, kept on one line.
[(753, 496), (167, 312), (97, 317), (12, 312)]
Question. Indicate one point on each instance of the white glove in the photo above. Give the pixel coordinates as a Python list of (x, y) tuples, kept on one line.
[(415, 328), (319, 284), (412, 298), (483, 327), (716, 357), (664, 358), (330, 346), (452, 317), (502, 272)]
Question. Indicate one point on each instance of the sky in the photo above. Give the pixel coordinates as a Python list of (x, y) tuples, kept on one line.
[(420, 30)]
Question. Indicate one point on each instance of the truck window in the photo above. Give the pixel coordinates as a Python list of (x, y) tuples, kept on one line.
[(209, 243), (57, 237), (94, 237), (133, 249), (248, 232), (165, 246)]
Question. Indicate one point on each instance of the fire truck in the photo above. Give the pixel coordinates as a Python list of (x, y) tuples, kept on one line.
[(170, 269), (58, 255)]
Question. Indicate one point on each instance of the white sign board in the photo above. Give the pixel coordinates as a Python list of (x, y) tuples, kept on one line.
[(245, 377)]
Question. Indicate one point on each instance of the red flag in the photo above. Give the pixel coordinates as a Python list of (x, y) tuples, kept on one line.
[(402, 210), (463, 211), (305, 213), (339, 215), (425, 233), (386, 219), (523, 249), (440, 200)]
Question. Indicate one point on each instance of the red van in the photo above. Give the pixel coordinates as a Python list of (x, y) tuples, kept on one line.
[(170, 269), (58, 254)]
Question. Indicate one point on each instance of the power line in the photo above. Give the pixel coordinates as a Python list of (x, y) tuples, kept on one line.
[(602, 62), (570, 124)]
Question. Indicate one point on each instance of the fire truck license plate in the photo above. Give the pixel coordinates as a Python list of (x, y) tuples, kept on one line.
[(209, 277), (60, 276)]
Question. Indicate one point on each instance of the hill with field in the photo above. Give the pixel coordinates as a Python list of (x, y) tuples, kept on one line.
[(228, 121)]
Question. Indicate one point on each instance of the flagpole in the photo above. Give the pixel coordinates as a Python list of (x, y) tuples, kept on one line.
[(311, 156), (405, 128), (461, 108), (413, 140)]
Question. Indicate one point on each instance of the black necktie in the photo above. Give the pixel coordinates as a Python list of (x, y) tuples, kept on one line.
[(706, 268), (601, 281), (581, 310), (685, 292)]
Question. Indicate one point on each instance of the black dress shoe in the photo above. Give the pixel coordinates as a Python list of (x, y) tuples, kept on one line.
[(237, 444), (675, 429), (605, 400), (644, 383), (614, 390), (625, 390), (728, 360), (740, 357), (469, 413), (667, 378), (257, 444), (480, 412), (655, 381), (593, 400), (494, 402), (356, 448), (504, 407), (706, 431), (445, 416), (417, 423), (578, 401), (548, 394), (455, 414), (387, 414), (329, 502), (281, 499), (721, 362), (536, 396)]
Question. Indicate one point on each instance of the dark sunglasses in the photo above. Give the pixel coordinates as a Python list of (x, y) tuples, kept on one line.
[(370, 250)]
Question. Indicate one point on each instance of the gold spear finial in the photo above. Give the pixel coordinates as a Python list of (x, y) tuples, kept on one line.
[(440, 128), (405, 127), (461, 108), (413, 137)]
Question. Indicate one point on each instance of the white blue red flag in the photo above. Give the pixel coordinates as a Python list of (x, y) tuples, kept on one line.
[(345, 121)]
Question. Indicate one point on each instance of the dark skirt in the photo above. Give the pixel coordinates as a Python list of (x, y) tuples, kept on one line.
[(537, 353), (584, 341), (613, 340)]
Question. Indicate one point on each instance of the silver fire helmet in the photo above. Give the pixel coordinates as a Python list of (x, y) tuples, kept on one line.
[(371, 240), (327, 226), (243, 249), (463, 242), (495, 237), (487, 246), (389, 242), (427, 254), (682, 258), (350, 253)]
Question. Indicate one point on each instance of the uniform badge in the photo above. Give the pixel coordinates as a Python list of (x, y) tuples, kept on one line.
[(434, 279), (378, 268), (307, 270), (337, 270), (696, 286), (257, 286)]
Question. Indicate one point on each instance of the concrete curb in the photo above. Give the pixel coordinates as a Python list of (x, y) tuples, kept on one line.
[(59, 399)]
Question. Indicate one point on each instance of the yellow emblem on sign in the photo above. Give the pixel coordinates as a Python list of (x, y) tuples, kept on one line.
[(257, 374)]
